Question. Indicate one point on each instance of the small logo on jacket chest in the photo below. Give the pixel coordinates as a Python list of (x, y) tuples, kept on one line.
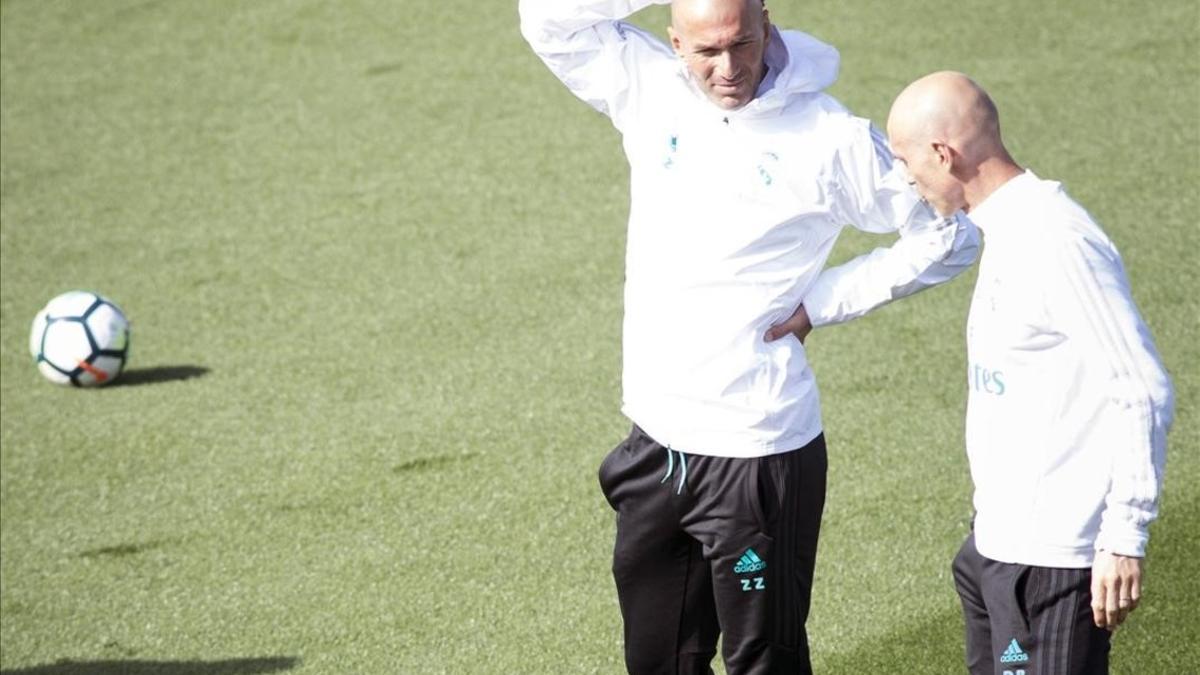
[(765, 166)]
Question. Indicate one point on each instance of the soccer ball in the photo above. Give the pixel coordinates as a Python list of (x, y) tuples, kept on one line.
[(81, 339)]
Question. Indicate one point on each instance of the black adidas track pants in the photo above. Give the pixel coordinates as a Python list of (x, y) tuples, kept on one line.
[(1025, 620), (710, 546)]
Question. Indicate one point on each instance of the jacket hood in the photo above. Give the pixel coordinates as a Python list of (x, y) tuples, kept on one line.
[(802, 63)]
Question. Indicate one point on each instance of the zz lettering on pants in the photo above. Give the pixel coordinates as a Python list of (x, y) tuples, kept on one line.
[(1020, 671), (757, 584)]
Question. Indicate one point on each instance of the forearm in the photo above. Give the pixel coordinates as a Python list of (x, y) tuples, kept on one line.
[(1144, 403), (561, 26), (921, 258), (1132, 502), (1144, 407), (588, 49)]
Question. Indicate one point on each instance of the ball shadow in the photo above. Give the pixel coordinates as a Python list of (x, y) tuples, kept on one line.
[(158, 374)]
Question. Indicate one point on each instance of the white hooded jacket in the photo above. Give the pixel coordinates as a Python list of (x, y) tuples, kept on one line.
[(732, 216)]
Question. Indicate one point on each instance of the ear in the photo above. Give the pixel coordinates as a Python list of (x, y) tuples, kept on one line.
[(676, 42), (945, 154)]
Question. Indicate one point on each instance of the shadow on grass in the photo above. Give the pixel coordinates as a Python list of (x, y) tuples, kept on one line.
[(121, 550), (135, 667), (157, 375), (429, 463)]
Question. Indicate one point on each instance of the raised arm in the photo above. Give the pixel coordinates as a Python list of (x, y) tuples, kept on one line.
[(587, 46)]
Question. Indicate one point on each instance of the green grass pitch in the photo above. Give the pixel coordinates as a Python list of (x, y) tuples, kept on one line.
[(373, 251)]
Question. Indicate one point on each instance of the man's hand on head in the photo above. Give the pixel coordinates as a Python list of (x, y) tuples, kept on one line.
[(1116, 588), (797, 324)]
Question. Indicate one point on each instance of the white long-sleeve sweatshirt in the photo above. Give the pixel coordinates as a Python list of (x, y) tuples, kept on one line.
[(732, 216), (1068, 405)]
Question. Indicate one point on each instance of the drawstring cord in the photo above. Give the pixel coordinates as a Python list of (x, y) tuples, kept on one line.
[(683, 473), (671, 469)]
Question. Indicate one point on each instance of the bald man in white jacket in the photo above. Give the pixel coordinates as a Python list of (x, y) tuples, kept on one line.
[(742, 175), (1068, 402)]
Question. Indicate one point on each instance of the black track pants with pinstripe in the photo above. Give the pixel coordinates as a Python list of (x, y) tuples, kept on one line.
[(1024, 620), (710, 546)]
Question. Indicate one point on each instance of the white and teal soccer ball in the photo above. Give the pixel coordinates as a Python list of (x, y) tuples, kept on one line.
[(80, 339)]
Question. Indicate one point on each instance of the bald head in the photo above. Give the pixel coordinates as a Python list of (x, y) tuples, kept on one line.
[(945, 128), (686, 12), (723, 43), (948, 107)]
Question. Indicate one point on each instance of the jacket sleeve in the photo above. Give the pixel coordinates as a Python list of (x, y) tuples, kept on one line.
[(874, 196), (1100, 313), (587, 46)]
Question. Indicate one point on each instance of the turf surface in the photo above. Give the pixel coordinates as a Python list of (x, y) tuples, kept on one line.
[(372, 253)]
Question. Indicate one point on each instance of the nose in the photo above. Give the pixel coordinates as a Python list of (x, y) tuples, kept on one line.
[(724, 65)]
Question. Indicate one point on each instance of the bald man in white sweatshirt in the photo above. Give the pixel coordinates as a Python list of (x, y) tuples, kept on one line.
[(1068, 402)]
